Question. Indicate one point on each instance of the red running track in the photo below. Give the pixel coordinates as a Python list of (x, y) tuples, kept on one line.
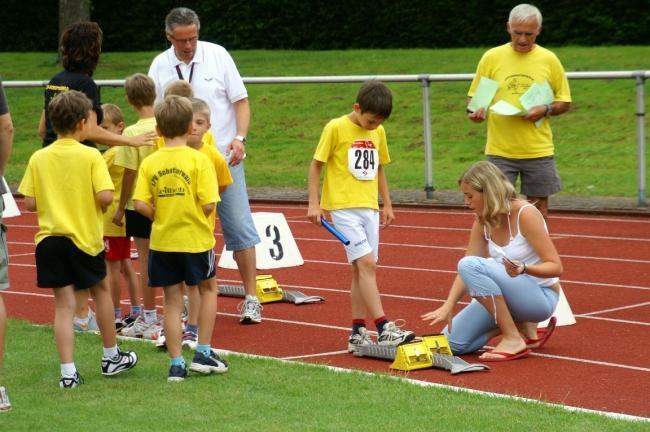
[(601, 363)]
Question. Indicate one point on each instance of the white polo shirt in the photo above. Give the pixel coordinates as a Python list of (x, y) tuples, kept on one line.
[(214, 78)]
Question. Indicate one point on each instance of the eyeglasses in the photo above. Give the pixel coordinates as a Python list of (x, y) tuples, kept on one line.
[(191, 40)]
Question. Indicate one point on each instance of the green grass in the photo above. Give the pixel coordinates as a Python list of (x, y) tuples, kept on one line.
[(256, 394), (595, 144)]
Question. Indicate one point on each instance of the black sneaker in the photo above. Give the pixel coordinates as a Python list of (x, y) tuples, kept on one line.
[(177, 373), (207, 365), (124, 361), (71, 382)]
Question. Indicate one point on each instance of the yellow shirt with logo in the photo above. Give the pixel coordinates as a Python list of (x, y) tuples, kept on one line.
[(116, 172), (131, 157), (340, 188), (178, 182), (512, 136), (64, 178), (224, 178)]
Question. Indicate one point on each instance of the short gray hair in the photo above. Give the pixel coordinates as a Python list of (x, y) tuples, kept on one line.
[(525, 12), (181, 16)]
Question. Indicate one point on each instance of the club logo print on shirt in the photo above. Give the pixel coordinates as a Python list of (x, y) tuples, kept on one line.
[(363, 160), (170, 185)]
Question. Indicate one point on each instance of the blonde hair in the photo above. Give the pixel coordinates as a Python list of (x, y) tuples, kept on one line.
[(140, 90), (199, 106), (173, 116), (179, 88), (498, 192), (112, 113)]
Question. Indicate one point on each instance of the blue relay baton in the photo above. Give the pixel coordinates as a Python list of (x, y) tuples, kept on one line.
[(336, 233)]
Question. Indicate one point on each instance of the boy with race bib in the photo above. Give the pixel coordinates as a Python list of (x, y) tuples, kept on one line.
[(354, 150)]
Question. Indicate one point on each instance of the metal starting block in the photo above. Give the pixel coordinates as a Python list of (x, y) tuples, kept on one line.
[(429, 351), (267, 291)]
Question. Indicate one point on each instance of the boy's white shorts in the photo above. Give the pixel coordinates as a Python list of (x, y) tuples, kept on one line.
[(361, 227)]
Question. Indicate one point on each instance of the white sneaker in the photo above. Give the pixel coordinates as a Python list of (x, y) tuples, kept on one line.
[(136, 328), (393, 335), (251, 310), (357, 339), (88, 324), (190, 340), (154, 330), (5, 404)]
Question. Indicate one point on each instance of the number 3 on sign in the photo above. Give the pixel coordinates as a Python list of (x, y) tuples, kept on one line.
[(277, 248)]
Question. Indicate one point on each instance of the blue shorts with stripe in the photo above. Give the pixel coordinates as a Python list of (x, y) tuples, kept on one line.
[(171, 268)]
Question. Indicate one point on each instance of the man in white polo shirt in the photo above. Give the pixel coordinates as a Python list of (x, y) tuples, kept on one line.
[(212, 73)]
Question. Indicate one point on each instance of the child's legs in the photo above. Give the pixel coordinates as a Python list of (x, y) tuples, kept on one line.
[(64, 307), (172, 324), (113, 281), (131, 281), (148, 293), (81, 308), (3, 323), (361, 227), (194, 297), (208, 309), (104, 311)]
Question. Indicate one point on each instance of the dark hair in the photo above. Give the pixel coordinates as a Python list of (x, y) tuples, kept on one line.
[(140, 90), (173, 116), (80, 46), (375, 98), (67, 109)]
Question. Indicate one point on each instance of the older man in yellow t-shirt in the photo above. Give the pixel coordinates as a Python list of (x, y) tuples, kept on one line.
[(523, 145)]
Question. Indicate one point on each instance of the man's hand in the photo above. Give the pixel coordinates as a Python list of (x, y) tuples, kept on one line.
[(536, 113), (145, 139), (235, 152), (477, 116)]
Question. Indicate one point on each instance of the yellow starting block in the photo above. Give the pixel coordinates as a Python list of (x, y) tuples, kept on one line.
[(267, 289), (419, 354), (437, 343), (411, 356)]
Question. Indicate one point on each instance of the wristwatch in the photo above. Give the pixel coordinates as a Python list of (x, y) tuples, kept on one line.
[(241, 138), (549, 110)]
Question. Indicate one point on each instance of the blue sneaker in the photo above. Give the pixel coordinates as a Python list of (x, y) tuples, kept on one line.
[(207, 365), (177, 373)]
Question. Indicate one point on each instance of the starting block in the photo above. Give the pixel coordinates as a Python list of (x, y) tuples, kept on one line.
[(268, 291), (429, 351)]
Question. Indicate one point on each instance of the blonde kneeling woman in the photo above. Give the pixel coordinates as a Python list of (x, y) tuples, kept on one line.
[(510, 270)]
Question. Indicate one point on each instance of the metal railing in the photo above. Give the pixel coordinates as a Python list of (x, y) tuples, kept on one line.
[(639, 78)]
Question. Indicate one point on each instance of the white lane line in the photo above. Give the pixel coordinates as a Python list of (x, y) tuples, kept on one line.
[(617, 309), (616, 320), (306, 356)]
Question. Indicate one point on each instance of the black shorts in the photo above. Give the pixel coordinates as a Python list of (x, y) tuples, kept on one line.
[(59, 263), (171, 268), (137, 225)]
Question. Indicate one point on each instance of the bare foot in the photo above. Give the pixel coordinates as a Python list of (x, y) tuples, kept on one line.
[(505, 346)]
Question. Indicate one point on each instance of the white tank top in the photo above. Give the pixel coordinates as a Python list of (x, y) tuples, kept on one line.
[(518, 249)]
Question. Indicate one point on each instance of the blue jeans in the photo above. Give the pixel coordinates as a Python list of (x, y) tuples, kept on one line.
[(485, 277), (235, 213)]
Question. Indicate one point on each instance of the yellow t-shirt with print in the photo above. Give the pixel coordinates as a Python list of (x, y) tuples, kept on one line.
[(116, 172), (178, 182), (64, 178), (512, 136), (341, 189), (131, 157), (224, 178)]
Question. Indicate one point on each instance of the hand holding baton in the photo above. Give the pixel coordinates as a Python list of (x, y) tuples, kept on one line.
[(336, 233)]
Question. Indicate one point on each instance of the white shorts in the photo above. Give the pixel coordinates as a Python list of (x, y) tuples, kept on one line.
[(361, 227)]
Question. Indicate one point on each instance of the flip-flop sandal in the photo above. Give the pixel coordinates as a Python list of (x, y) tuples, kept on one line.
[(504, 356), (543, 336)]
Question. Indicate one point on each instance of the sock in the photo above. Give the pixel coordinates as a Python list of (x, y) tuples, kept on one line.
[(136, 310), (204, 349), (118, 313), (177, 361), (357, 324), (251, 297), (194, 328), (380, 323), (68, 369), (82, 321), (110, 353), (150, 316)]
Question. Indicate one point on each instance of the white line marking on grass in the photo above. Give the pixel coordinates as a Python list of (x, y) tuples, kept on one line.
[(326, 354), (421, 383)]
